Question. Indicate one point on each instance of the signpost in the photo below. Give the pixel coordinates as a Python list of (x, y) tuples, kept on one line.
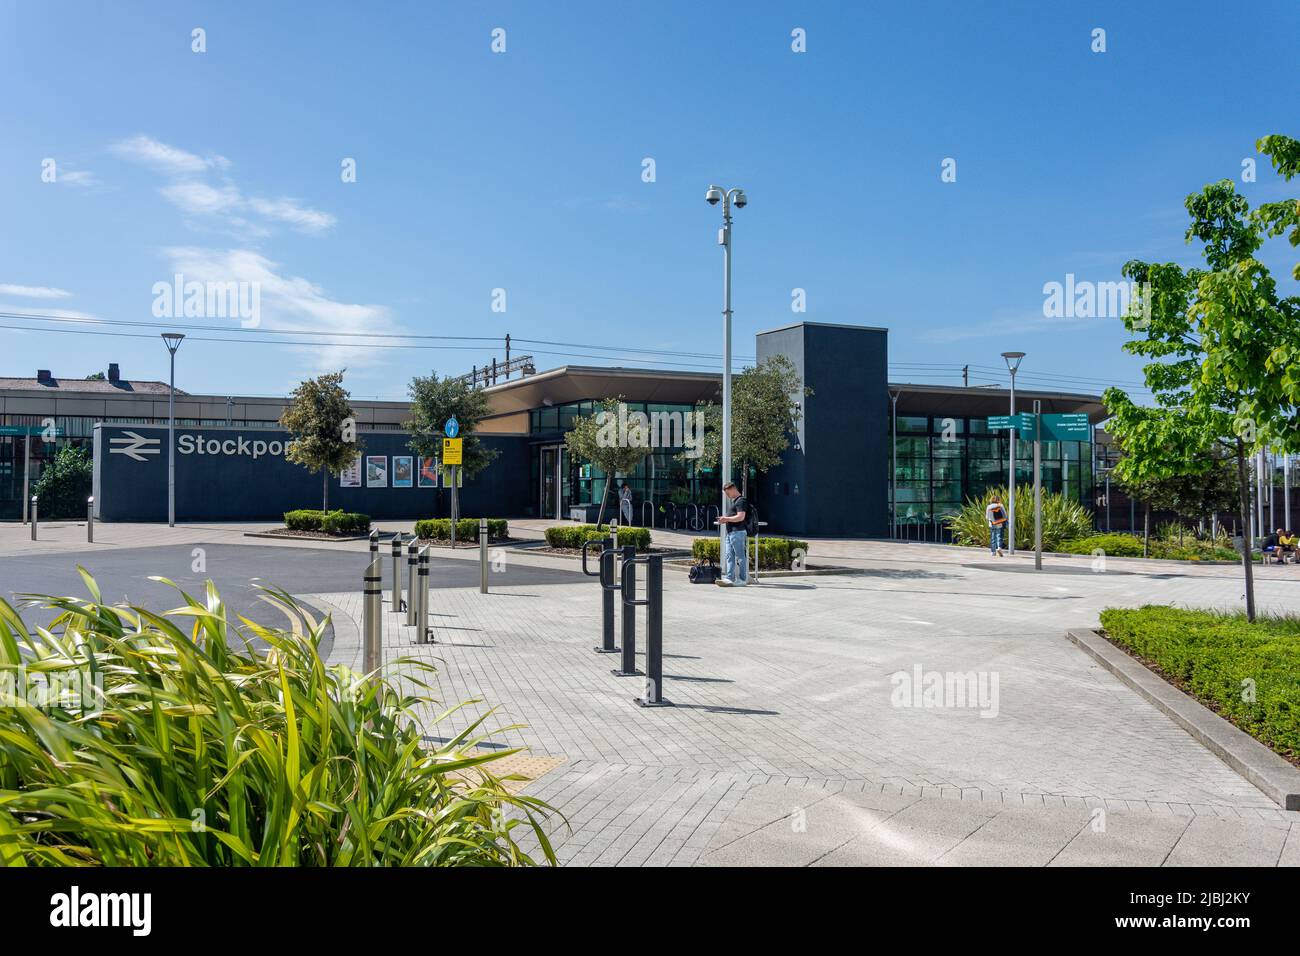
[(453, 458), (1036, 427)]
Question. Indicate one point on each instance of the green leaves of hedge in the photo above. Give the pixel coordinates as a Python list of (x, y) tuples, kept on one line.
[(329, 522), (575, 535), (1246, 672), (775, 554), (439, 529)]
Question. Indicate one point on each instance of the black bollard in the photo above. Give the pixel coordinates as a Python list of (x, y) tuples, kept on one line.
[(653, 696), (627, 585), (605, 576)]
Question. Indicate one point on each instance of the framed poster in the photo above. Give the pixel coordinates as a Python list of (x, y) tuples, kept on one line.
[(376, 471), (403, 471), (350, 477), (428, 477)]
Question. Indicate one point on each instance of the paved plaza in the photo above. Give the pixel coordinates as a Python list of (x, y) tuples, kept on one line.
[(796, 737)]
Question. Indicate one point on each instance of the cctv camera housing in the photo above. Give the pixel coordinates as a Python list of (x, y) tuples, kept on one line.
[(741, 201)]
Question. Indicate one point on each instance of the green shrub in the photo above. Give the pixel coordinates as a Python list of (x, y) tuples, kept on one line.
[(194, 747), (328, 522), (574, 535), (775, 554), (1219, 657), (1120, 545), (65, 484), (1063, 519), (439, 529)]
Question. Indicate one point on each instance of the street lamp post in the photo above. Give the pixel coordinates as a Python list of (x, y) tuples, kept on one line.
[(727, 197), (893, 465), (173, 341), (1013, 360)]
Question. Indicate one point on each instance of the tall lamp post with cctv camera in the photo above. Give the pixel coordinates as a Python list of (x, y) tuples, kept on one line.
[(173, 341), (728, 198)]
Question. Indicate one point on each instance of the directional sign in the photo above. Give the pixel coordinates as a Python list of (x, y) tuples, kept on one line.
[(1070, 427), (1022, 422), (451, 450), (452, 428), (30, 430)]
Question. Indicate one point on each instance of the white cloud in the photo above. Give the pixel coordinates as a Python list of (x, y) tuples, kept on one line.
[(290, 211), (33, 291), (198, 198), (163, 158), (224, 203), (289, 302), (77, 177)]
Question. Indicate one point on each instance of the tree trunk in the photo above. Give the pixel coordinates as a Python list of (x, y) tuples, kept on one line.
[(1247, 545), (1146, 529), (600, 515), (325, 492), (744, 480)]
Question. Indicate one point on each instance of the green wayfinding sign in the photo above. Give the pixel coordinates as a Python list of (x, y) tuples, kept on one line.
[(1070, 427), (1022, 422), (28, 430)]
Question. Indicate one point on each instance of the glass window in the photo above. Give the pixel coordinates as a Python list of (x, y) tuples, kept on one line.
[(548, 419), (913, 423)]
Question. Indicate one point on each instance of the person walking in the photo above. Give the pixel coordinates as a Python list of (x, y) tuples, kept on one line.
[(735, 559), (996, 515), (625, 504)]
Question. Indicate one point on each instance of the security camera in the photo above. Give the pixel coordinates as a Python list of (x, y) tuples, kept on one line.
[(741, 200), (713, 196)]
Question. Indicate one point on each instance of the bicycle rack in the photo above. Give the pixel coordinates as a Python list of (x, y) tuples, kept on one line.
[(644, 522), (653, 602), (605, 574)]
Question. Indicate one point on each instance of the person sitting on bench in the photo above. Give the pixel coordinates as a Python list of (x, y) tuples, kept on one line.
[(1271, 547)]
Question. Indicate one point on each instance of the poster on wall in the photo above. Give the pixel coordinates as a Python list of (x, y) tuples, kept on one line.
[(376, 471), (428, 473), (403, 471), (350, 477)]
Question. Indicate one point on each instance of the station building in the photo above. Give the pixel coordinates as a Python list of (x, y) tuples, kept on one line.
[(839, 477)]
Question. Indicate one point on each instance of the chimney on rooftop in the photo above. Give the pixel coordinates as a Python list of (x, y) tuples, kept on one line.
[(114, 374), (43, 376)]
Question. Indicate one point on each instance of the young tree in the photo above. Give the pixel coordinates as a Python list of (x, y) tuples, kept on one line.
[(765, 410), (433, 401), (1218, 338), (597, 438), (324, 432)]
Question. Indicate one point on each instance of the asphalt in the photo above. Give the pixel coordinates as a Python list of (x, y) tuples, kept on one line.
[(123, 576)]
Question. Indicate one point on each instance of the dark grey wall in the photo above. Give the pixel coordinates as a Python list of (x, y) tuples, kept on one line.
[(835, 482), (234, 487)]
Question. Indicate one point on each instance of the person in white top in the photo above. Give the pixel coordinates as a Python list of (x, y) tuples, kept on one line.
[(997, 519)]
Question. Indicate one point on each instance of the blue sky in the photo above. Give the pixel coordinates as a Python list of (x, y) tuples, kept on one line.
[(522, 171)]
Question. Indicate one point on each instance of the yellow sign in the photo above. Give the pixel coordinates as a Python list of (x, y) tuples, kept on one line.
[(451, 451)]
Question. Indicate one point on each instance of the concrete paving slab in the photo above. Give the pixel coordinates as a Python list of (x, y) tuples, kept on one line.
[(1212, 841), (1018, 836)]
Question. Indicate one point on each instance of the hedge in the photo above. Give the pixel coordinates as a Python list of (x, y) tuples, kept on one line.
[(775, 554), (575, 535), (1130, 546), (439, 529), (327, 522), (1246, 672)]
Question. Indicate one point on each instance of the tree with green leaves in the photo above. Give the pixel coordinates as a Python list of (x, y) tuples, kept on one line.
[(766, 405), (433, 401), (65, 483), (323, 428), (604, 439), (1218, 339)]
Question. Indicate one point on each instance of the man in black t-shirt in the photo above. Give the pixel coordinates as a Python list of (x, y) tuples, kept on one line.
[(735, 556)]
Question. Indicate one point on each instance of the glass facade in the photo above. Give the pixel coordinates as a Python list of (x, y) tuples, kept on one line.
[(664, 487), (942, 461)]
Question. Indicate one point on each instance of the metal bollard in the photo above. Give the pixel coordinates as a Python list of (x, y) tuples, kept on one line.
[(374, 545), (482, 556), (397, 574), (90, 520), (372, 607), (607, 589), (34, 520), (627, 584), (653, 695), (422, 624), (412, 561)]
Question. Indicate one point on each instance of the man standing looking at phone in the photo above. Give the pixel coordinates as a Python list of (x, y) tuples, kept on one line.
[(735, 560)]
